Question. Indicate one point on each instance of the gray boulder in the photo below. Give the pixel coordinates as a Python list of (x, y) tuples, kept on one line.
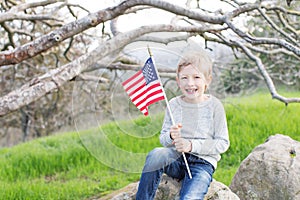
[(270, 172), (219, 191), (169, 190)]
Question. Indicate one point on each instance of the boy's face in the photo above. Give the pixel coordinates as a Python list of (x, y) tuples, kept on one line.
[(192, 84)]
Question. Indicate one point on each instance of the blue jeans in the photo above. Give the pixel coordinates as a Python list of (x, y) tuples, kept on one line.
[(166, 160)]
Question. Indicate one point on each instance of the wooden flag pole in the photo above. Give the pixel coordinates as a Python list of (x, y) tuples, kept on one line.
[(169, 110)]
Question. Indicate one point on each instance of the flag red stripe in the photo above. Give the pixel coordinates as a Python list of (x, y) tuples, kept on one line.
[(145, 111), (142, 88), (155, 100), (154, 86), (145, 91), (141, 102), (145, 107), (131, 78), (142, 94), (149, 96), (137, 81)]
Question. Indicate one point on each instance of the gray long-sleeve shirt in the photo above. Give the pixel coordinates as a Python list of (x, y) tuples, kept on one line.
[(204, 124)]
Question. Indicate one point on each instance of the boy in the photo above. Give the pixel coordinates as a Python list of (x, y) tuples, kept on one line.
[(200, 131)]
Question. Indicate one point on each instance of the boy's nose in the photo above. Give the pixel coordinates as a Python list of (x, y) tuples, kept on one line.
[(191, 81)]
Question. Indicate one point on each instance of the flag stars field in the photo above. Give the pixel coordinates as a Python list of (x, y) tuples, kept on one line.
[(144, 87)]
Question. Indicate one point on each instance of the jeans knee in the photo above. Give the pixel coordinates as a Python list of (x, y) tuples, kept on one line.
[(159, 158), (158, 155)]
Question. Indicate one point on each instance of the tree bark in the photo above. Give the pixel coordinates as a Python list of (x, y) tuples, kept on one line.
[(54, 79), (38, 87), (55, 37)]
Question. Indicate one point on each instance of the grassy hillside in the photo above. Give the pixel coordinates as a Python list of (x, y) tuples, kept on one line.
[(63, 166), (251, 120)]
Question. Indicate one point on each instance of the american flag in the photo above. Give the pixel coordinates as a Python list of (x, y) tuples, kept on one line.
[(144, 87)]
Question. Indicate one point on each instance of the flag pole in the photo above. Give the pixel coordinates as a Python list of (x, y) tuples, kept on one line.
[(169, 110)]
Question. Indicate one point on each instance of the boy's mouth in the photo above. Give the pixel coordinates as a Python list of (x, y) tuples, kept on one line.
[(191, 91)]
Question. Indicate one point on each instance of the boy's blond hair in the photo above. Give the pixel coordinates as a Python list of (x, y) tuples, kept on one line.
[(198, 59)]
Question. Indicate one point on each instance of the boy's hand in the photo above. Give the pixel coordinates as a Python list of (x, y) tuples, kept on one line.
[(175, 131), (181, 144)]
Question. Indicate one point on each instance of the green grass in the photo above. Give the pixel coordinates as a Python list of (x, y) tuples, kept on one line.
[(251, 120), (56, 167), (70, 165)]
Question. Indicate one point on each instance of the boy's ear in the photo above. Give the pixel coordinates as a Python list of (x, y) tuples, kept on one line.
[(177, 81), (209, 79)]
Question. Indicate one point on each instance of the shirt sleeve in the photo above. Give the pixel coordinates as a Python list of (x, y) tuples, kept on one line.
[(219, 143), (164, 137)]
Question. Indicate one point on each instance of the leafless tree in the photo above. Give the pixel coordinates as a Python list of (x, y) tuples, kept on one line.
[(264, 33)]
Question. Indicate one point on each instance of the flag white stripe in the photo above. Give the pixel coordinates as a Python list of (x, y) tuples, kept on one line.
[(137, 93), (134, 84), (141, 98), (141, 94), (149, 99)]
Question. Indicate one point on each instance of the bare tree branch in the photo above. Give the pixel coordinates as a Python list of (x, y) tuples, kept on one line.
[(259, 40), (211, 26), (275, 27), (85, 77), (40, 86), (266, 76), (24, 6), (47, 41), (126, 67)]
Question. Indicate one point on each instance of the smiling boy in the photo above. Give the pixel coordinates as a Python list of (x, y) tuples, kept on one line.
[(200, 131)]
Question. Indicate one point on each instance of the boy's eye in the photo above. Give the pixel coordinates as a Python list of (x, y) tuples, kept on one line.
[(183, 77)]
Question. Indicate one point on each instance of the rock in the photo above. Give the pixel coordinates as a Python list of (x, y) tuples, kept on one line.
[(219, 191), (169, 189), (270, 172)]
